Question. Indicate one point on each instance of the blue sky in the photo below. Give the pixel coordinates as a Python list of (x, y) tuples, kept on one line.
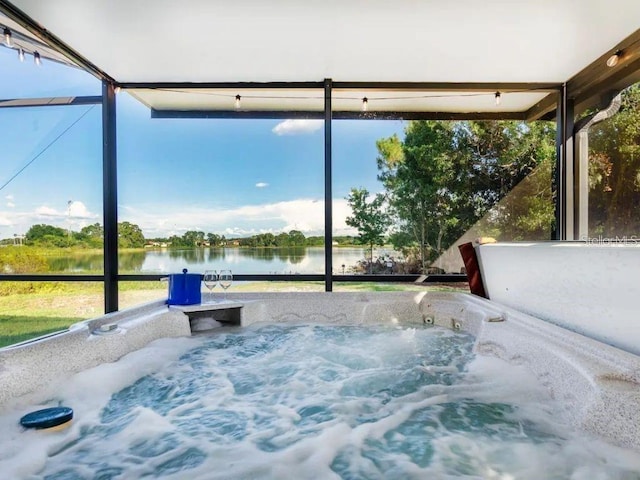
[(233, 177)]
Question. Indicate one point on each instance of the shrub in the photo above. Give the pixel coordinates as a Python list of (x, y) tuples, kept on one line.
[(19, 260)]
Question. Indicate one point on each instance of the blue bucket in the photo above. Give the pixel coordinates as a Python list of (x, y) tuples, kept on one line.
[(184, 288)]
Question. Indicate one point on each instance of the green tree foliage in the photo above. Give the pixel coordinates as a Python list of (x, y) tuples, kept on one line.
[(216, 240), (93, 231), (368, 217), (294, 238), (46, 235), (444, 176), (91, 235), (316, 241), (193, 238), (343, 240), (174, 241), (130, 235), (42, 235), (614, 171), (282, 240), (514, 165)]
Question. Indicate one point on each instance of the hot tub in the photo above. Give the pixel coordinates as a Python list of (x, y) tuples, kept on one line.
[(506, 396)]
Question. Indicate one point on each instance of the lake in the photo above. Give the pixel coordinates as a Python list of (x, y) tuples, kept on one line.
[(240, 260)]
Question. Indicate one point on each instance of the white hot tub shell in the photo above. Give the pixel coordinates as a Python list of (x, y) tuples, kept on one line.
[(597, 385), (590, 288)]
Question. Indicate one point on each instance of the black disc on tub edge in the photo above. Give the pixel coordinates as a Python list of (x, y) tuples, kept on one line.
[(47, 418)]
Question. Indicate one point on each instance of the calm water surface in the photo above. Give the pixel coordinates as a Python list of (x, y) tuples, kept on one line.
[(240, 260)]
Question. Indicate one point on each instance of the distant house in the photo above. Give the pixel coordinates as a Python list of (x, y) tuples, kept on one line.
[(156, 245)]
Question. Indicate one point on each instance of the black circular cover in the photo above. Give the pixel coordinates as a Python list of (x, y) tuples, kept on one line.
[(47, 418)]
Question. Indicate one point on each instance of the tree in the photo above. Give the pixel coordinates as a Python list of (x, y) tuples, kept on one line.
[(265, 240), (445, 176), (175, 241), (614, 170), (369, 218), (91, 235), (214, 239), (419, 175), (314, 241), (93, 231), (282, 240), (130, 235), (513, 180), (296, 238), (193, 238), (42, 233)]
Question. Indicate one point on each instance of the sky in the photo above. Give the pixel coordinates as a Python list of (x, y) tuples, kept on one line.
[(231, 177)]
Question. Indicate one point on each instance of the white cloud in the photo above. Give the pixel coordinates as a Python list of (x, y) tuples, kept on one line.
[(306, 215), (74, 210), (9, 197), (79, 210), (244, 232), (262, 184), (76, 217), (297, 127), (47, 211), (11, 204)]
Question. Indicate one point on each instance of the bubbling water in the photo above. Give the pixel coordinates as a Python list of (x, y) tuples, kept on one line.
[(318, 401)]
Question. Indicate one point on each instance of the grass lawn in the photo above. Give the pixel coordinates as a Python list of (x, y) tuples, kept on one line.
[(54, 306)]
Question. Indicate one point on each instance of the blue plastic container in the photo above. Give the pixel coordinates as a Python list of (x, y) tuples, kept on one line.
[(184, 288)]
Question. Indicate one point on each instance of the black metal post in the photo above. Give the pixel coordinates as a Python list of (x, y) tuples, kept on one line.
[(564, 159), (569, 170), (559, 231), (109, 197), (328, 207)]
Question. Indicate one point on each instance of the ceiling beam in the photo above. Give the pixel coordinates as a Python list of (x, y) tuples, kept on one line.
[(380, 115), (402, 86), (224, 85), (50, 101), (544, 107), (51, 40), (238, 114), (599, 95), (372, 115), (587, 87), (450, 86), (337, 115), (594, 86)]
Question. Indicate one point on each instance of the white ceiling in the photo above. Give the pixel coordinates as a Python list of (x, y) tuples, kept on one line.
[(25, 40), (345, 40)]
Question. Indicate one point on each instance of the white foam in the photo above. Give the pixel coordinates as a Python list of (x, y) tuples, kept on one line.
[(24, 452), (306, 404)]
